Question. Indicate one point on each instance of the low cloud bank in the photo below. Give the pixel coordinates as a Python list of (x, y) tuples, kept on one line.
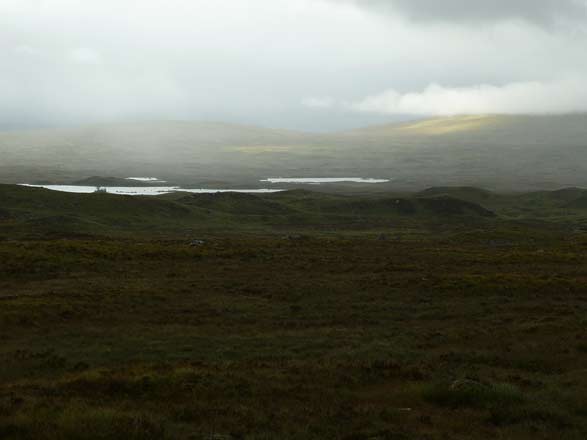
[(533, 97)]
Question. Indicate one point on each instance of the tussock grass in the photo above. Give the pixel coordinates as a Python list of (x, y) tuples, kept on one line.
[(81, 422), (470, 394)]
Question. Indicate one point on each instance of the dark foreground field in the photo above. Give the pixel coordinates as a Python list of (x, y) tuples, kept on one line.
[(454, 328)]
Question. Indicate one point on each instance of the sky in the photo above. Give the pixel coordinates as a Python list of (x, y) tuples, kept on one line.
[(317, 65)]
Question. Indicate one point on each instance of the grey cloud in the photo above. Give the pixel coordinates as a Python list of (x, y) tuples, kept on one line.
[(543, 12), (283, 63)]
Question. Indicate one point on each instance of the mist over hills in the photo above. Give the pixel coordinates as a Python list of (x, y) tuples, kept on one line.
[(495, 152)]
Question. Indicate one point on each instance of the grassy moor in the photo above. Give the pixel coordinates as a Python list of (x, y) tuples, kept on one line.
[(453, 313)]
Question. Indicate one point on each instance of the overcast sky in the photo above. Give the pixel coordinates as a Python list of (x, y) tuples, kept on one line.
[(306, 64)]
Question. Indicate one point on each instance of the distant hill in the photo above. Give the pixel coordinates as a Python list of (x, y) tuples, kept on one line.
[(494, 152)]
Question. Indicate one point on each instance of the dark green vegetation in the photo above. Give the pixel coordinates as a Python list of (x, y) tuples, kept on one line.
[(38, 213), (32, 212), (295, 318), (496, 152)]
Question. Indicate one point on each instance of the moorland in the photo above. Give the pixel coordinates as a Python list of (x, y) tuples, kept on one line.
[(449, 313)]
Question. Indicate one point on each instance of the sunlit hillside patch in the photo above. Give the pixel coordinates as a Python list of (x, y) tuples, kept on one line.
[(455, 124), (261, 149)]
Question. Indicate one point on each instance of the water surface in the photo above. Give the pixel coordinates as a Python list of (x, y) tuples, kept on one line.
[(146, 191), (146, 179), (319, 180)]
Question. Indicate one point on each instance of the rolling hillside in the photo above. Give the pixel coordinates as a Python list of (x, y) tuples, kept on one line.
[(36, 210), (494, 152), (497, 152)]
